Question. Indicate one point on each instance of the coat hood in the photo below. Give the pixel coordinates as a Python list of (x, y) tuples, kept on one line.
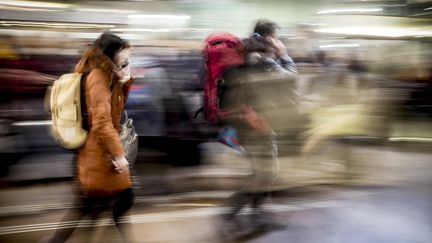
[(95, 58)]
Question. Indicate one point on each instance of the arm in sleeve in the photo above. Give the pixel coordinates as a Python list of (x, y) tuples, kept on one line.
[(100, 111), (288, 63), (284, 65)]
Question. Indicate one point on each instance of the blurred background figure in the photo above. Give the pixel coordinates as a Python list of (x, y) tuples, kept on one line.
[(354, 151), (254, 87)]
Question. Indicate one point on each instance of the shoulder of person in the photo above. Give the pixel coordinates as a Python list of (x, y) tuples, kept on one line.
[(97, 74), (253, 58)]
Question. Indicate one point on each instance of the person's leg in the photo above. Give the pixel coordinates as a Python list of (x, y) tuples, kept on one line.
[(259, 199), (256, 147), (264, 178), (235, 203), (266, 167), (82, 206), (231, 225), (123, 202)]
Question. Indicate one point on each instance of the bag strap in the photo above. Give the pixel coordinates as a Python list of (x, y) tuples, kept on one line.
[(84, 111), (126, 115), (124, 118)]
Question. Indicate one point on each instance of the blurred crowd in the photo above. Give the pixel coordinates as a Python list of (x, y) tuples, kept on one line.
[(367, 79)]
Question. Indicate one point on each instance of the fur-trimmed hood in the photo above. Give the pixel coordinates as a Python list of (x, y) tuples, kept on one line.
[(95, 58)]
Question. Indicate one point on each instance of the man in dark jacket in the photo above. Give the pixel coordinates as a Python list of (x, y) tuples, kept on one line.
[(264, 39), (262, 91)]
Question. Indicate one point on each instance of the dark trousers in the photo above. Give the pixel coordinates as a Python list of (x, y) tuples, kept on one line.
[(263, 155), (88, 206)]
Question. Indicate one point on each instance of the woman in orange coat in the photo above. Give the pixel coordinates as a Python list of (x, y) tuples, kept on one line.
[(103, 171)]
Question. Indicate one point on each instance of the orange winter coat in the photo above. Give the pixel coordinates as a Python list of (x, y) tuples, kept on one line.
[(105, 98)]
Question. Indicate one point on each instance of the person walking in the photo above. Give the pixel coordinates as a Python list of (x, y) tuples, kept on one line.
[(263, 88), (102, 169)]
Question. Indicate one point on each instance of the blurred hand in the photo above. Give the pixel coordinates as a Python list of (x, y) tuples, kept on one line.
[(255, 121), (278, 48), (121, 164)]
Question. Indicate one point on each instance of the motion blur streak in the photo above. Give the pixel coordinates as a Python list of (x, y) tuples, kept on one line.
[(353, 127)]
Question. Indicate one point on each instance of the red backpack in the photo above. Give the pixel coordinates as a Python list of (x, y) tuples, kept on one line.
[(222, 50)]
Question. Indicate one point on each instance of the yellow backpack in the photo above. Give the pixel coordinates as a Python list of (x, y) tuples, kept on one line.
[(65, 108)]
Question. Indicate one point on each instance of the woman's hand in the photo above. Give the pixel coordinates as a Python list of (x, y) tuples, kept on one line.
[(121, 164)]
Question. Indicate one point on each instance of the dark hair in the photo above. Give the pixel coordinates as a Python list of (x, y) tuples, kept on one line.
[(265, 27), (110, 44)]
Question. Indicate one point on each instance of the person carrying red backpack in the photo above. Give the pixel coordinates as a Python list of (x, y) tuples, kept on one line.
[(256, 97)]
